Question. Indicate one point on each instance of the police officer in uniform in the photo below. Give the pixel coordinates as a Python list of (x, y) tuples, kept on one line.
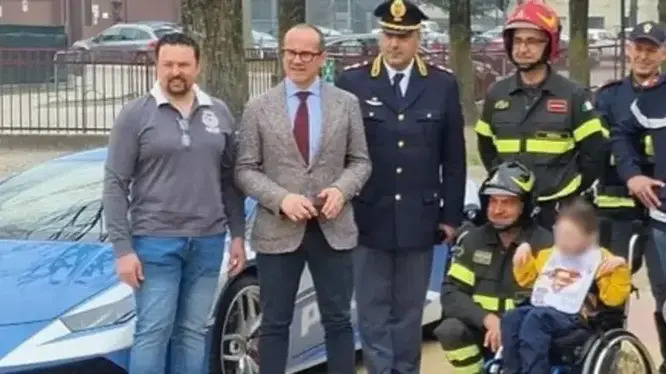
[(480, 285), (414, 197), (619, 211), (539, 117)]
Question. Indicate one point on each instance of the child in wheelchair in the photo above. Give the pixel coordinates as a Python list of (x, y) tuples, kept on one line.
[(561, 278)]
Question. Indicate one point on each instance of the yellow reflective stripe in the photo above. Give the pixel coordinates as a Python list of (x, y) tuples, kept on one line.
[(507, 145), (550, 146), (588, 128), (569, 189), (605, 201), (483, 128), (462, 274), (509, 304), (649, 146), (474, 368), (487, 302), (462, 354)]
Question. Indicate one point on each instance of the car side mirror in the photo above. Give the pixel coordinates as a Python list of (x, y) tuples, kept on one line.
[(96, 39)]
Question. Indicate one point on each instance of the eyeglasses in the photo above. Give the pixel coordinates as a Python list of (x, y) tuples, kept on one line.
[(305, 56), (185, 139), (529, 42)]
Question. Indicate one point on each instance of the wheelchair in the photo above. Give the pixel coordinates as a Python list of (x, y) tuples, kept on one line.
[(603, 347)]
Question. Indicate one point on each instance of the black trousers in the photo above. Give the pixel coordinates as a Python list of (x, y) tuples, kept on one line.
[(279, 279), (391, 289)]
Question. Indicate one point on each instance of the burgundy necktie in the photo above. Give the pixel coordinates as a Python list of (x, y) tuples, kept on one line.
[(302, 126)]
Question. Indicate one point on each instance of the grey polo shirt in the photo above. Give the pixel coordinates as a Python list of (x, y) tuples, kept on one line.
[(156, 183)]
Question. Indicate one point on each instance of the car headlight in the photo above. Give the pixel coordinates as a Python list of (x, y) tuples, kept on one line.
[(113, 306)]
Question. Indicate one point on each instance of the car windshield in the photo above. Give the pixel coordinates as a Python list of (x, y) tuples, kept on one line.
[(164, 31), (59, 200)]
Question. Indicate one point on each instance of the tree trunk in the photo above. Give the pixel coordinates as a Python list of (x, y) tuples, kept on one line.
[(460, 58), (218, 28), (290, 13), (578, 48), (662, 21)]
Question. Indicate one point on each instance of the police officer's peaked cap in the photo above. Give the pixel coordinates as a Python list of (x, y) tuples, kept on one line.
[(649, 30), (399, 16)]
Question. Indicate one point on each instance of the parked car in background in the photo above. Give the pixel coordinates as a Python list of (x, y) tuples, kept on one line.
[(604, 42), (350, 49), (133, 37)]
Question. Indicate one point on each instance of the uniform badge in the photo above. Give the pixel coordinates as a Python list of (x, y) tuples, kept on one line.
[(647, 28), (398, 10), (482, 257), (587, 106), (557, 106), (501, 105), (210, 121)]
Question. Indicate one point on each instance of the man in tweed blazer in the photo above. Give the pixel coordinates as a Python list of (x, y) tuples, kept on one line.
[(303, 156)]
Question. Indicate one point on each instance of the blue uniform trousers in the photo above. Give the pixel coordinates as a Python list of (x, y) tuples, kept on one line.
[(526, 336)]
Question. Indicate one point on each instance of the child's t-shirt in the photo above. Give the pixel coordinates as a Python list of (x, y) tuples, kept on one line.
[(612, 289), (564, 281)]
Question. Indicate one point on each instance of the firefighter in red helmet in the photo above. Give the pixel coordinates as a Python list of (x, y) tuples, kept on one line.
[(540, 118)]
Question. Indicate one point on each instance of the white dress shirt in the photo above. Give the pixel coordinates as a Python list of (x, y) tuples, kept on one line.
[(405, 81)]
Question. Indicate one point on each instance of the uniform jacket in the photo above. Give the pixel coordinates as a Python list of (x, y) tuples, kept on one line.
[(418, 155), (552, 129), (480, 278), (648, 118), (612, 288), (269, 166), (613, 103)]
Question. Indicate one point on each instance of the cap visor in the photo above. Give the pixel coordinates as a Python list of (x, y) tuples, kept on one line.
[(391, 31), (648, 38), (522, 25), (497, 191)]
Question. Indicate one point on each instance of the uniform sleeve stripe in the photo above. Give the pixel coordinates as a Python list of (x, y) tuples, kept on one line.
[(483, 128), (648, 123), (462, 274), (588, 128)]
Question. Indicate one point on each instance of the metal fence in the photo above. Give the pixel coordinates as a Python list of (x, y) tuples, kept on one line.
[(79, 92)]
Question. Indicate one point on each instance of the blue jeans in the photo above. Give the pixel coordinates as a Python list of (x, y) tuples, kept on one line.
[(527, 333), (173, 303)]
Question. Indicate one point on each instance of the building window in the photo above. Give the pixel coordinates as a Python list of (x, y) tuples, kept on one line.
[(595, 22)]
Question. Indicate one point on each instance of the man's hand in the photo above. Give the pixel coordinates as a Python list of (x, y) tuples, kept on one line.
[(644, 189), (610, 264), (448, 231), (523, 252), (130, 270), (334, 200), (297, 207), (493, 338), (236, 256)]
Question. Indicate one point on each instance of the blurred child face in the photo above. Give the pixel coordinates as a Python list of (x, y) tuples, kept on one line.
[(570, 238)]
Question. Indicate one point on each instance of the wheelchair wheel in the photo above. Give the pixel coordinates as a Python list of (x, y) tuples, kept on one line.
[(618, 352)]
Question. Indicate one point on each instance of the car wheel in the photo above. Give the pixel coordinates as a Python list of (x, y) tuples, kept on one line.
[(235, 339)]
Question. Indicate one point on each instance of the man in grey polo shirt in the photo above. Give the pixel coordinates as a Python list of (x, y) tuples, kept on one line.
[(175, 148)]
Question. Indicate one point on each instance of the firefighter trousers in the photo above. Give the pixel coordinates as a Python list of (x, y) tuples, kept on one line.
[(462, 345)]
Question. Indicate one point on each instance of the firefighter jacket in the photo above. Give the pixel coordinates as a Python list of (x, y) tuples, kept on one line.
[(480, 279), (552, 129)]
